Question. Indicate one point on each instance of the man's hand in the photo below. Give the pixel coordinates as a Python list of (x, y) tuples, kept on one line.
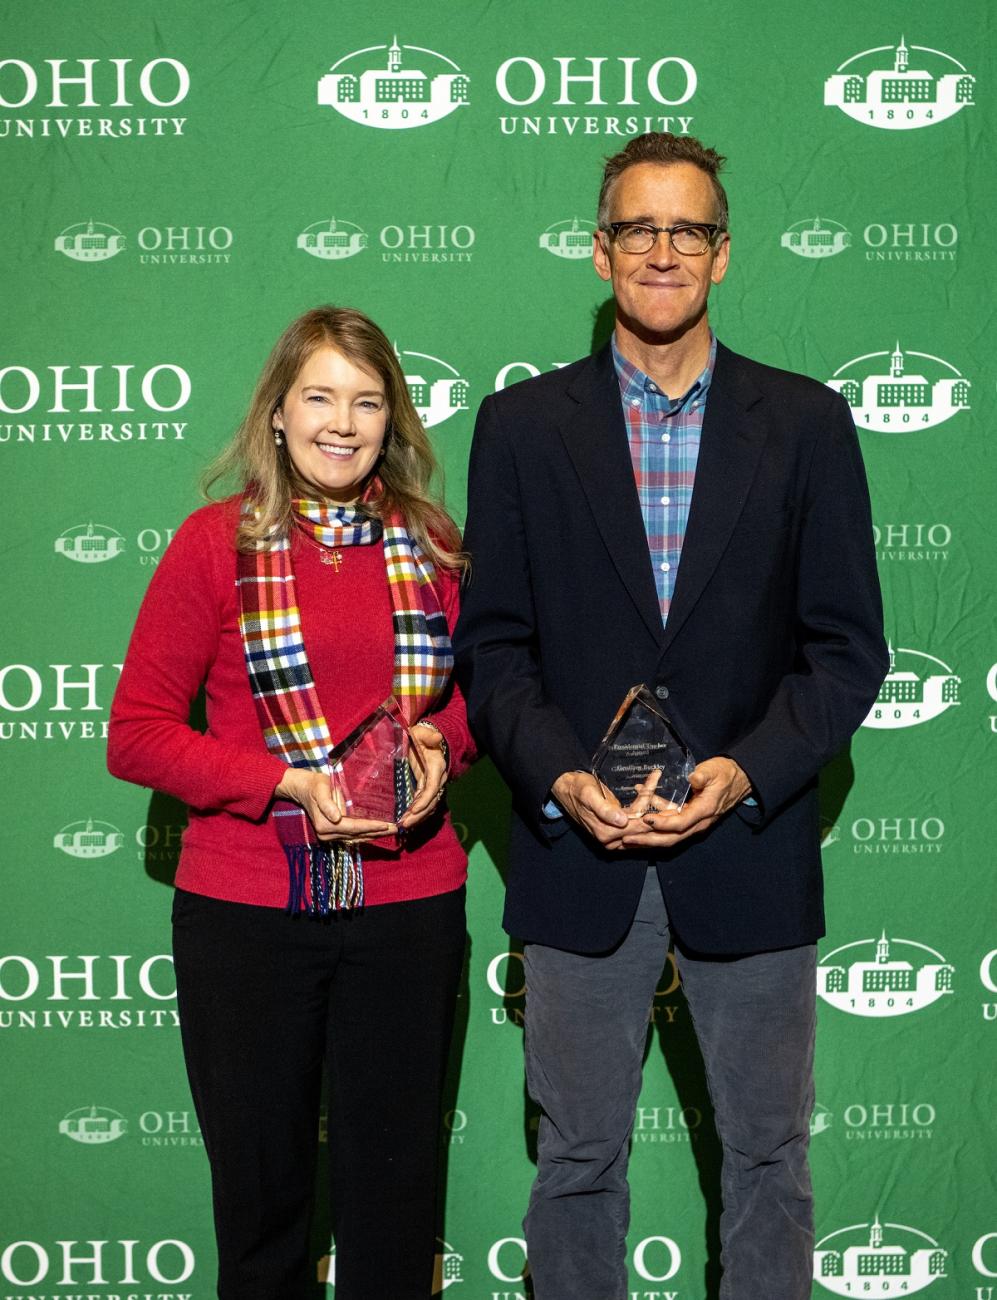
[(718, 784), (588, 803)]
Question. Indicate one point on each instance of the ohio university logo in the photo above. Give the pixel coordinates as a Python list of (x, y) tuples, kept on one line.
[(163, 1130), (894, 396), (922, 87), (89, 543), (182, 245), (920, 691), (75, 86), (569, 239), (101, 395), (92, 543), (923, 242), (89, 839), (93, 1125), (90, 241), (600, 93), (878, 1259), (880, 1121), (448, 1267), (654, 1259), (332, 240), (820, 1120), (87, 991), (128, 1262), (887, 835), (394, 86), (912, 541), (436, 389), (884, 977), (816, 238)]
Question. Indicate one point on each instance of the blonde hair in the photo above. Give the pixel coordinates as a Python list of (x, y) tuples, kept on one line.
[(406, 470)]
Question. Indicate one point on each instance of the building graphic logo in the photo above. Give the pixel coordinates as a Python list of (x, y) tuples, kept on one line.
[(883, 984), (394, 86), (820, 1120), (436, 389), (90, 241), (332, 239), (878, 1259), (89, 543), (892, 396), (447, 1269), (830, 832), (816, 238), (89, 839), (907, 698), (569, 239), (93, 1125), (923, 86)]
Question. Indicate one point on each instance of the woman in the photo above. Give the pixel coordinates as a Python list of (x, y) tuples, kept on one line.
[(329, 583)]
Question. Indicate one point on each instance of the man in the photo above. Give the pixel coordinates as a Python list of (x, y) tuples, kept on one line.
[(667, 512)]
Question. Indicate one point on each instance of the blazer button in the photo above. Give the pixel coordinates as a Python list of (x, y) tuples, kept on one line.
[(661, 692)]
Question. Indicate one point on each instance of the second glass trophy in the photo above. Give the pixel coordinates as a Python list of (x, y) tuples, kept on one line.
[(642, 740)]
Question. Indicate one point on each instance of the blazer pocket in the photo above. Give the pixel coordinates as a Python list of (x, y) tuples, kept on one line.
[(764, 523)]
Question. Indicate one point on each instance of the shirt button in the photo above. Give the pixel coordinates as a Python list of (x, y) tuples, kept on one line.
[(653, 387), (661, 692), (665, 501), (635, 401), (665, 567), (666, 437)]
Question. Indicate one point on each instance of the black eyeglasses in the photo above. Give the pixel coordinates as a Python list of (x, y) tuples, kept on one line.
[(691, 239)]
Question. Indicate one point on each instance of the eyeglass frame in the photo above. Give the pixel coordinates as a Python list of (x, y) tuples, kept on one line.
[(613, 228)]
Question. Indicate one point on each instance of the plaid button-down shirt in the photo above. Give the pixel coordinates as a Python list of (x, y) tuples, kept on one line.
[(664, 448)]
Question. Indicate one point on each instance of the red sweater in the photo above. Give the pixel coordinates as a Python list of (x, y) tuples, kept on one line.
[(187, 635)]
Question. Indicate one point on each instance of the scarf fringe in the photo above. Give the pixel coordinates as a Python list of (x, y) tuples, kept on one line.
[(324, 880)]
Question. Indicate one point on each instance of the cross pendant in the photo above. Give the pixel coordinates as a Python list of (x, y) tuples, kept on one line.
[(335, 558)]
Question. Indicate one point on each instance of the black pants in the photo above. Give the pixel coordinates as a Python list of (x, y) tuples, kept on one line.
[(265, 999)]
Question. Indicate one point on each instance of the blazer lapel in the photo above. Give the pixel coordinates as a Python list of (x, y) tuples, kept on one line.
[(596, 441), (731, 443)]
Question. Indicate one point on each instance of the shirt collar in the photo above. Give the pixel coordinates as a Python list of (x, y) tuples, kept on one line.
[(634, 384)]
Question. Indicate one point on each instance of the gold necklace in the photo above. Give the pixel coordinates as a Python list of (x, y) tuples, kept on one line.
[(333, 558)]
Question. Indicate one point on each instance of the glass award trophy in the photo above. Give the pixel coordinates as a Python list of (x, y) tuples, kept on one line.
[(370, 767), (641, 740)]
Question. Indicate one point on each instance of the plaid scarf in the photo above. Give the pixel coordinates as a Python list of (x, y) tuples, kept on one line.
[(327, 877)]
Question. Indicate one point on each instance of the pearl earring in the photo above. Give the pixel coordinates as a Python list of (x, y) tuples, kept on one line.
[(278, 437)]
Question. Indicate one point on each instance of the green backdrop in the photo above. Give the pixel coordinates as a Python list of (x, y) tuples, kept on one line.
[(179, 181)]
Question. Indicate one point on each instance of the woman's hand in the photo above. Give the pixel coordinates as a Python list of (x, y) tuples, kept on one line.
[(314, 792), (430, 767)]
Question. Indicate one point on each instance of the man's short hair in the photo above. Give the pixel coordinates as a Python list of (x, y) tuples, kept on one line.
[(663, 148)]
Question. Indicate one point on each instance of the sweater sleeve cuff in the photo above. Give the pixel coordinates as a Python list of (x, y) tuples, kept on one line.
[(263, 774)]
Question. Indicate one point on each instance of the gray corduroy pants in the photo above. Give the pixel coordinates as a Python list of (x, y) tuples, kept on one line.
[(586, 1031)]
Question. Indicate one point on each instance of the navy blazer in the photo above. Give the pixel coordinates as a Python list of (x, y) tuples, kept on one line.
[(772, 654)]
